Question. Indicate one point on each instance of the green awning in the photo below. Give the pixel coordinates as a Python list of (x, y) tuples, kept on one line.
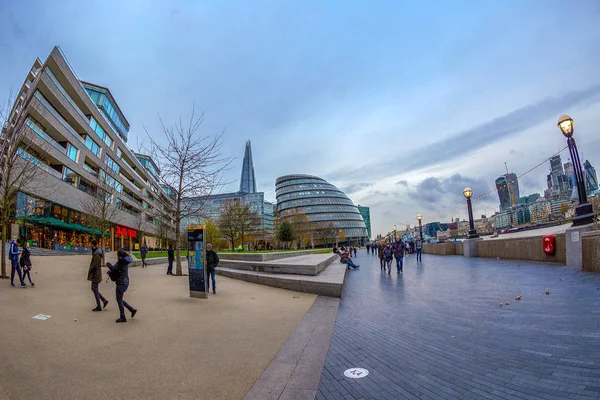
[(61, 224)]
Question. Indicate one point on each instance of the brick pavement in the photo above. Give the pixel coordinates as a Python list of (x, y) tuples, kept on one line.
[(437, 332)]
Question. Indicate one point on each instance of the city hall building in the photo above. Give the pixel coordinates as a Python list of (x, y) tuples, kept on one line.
[(74, 133)]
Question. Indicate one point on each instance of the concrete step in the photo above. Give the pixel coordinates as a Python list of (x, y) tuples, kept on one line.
[(300, 265)]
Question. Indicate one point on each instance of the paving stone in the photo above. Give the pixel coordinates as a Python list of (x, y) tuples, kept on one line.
[(437, 331)]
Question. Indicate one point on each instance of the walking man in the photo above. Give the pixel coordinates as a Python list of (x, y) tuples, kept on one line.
[(419, 247), (144, 253), (121, 268), (14, 263), (212, 261), (398, 249), (95, 275), (171, 257)]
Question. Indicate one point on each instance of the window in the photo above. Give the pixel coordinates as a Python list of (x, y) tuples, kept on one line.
[(90, 144), (92, 170), (100, 132), (70, 177), (72, 152), (112, 164), (111, 181), (119, 152)]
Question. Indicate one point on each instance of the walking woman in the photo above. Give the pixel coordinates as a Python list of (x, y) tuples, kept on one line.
[(121, 270), (388, 257), (25, 262)]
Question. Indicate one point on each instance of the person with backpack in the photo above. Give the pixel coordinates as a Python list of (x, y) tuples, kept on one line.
[(419, 247), (25, 263), (171, 258), (119, 273), (95, 275), (387, 257), (13, 254), (212, 261), (398, 250), (144, 253)]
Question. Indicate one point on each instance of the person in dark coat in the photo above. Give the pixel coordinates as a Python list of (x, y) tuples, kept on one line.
[(144, 253), (95, 275), (398, 250), (121, 268), (171, 258), (14, 263), (212, 261), (380, 248), (25, 263), (388, 256)]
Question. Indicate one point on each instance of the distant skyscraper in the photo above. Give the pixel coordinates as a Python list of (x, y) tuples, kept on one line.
[(366, 214), (570, 174), (591, 179), (508, 189), (558, 185), (247, 181)]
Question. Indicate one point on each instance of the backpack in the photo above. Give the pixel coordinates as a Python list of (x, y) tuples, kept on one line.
[(112, 274)]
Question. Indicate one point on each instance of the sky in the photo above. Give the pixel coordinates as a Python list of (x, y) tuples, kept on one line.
[(401, 104)]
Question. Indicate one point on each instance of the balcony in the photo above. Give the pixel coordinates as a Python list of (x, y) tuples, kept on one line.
[(47, 138), (58, 117), (64, 92), (130, 197), (33, 160)]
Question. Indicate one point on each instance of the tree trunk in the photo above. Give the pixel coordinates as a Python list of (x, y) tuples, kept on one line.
[(4, 275)]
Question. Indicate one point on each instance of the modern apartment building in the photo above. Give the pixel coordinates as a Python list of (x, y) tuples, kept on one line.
[(76, 135)]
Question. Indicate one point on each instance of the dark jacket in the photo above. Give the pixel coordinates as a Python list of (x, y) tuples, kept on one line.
[(398, 249), (387, 253), (25, 257), (171, 254), (380, 250), (143, 251), (14, 252), (212, 260), (418, 244), (122, 269), (95, 271)]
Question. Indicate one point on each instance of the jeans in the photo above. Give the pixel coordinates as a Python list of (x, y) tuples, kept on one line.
[(97, 294), (399, 262), (419, 254), (15, 268), (382, 263), (27, 274), (121, 289), (170, 268), (350, 263), (211, 275)]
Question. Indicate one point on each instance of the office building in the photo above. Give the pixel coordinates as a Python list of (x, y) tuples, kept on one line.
[(322, 202), (558, 182), (211, 206), (591, 179), (508, 190), (75, 134), (365, 212)]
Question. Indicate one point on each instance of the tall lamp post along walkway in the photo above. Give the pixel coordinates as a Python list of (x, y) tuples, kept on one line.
[(584, 213), (468, 193), (420, 217)]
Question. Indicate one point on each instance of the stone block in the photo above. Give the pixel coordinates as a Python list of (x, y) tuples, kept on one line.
[(574, 244), (591, 251)]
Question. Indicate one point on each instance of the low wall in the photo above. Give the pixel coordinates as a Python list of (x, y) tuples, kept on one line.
[(591, 251), (153, 261), (250, 256), (308, 267), (524, 248)]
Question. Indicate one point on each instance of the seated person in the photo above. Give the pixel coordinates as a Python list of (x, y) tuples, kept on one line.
[(348, 261)]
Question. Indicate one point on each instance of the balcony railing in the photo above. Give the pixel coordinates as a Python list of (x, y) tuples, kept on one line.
[(130, 197), (33, 160), (59, 117), (64, 92), (48, 139)]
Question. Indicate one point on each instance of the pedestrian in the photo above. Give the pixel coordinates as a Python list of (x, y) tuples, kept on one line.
[(171, 258), (14, 263), (419, 247), (407, 251), (354, 248), (121, 270), (144, 253), (212, 261), (398, 250), (388, 256), (348, 261), (25, 263), (95, 275), (368, 247), (380, 248)]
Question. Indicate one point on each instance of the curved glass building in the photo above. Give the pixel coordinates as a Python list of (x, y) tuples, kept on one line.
[(321, 202)]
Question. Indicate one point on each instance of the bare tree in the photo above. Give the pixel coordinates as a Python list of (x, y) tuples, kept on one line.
[(141, 225), (228, 223), (191, 165), (100, 206), (19, 166), (248, 221)]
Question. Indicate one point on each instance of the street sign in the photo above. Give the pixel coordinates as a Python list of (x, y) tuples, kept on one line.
[(196, 262)]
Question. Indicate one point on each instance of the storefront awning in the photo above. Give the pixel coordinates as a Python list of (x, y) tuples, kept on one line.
[(64, 225)]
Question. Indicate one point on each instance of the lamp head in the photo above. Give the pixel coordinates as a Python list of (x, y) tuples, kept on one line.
[(468, 192), (419, 217), (394, 227), (566, 125)]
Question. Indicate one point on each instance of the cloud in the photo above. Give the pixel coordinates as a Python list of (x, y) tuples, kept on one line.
[(434, 192), (356, 187), (403, 183)]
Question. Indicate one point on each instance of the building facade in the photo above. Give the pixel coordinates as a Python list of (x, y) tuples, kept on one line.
[(508, 190), (365, 212), (591, 179), (75, 134), (322, 202)]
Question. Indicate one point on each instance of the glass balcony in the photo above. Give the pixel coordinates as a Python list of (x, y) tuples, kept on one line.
[(59, 117), (37, 129), (35, 161)]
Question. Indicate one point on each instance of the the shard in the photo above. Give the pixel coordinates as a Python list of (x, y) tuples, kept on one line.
[(247, 181)]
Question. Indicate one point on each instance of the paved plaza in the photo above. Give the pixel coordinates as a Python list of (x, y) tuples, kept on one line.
[(437, 332), (175, 348)]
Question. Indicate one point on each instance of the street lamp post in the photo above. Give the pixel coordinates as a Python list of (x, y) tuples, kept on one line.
[(468, 192), (420, 217), (584, 213)]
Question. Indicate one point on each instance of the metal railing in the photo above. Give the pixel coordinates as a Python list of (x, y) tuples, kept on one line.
[(35, 161), (59, 117), (47, 138)]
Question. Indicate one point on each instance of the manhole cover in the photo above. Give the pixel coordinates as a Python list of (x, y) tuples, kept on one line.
[(356, 373)]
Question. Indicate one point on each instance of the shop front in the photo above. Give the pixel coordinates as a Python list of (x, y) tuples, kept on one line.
[(125, 238)]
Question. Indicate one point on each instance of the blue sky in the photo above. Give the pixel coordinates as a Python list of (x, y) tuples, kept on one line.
[(402, 104)]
